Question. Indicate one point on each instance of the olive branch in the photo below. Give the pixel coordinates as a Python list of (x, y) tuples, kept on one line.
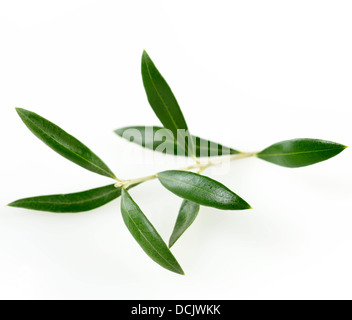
[(173, 138)]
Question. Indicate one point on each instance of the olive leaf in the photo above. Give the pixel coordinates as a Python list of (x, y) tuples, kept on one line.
[(202, 190), (63, 143), (175, 139), (146, 235), (300, 152), (188, 213), (162, 140), (70, 203), (163, 102)]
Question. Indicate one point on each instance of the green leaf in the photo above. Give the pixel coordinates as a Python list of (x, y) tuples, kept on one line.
[(162, 140), (70, 203), (202, 190), (300, 152), (146, 235), (188, 213), (63, 143), (163, 101)]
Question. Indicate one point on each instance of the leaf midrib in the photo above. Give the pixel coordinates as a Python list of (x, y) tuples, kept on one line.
[(193, 186), (139, 230), (214, 146), (164, 103), (66, 148), (295, 153), (66, 203)]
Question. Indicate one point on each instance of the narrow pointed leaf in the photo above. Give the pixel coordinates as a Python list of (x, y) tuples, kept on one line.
[(202, 190), (146, 235), (300, 152), (63, 143), (70, 203), (160, 139), (163, 101), (188, 213)]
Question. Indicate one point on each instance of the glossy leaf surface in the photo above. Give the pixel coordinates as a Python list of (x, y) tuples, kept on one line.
[(146, 235), (63, 143), (162, 100), (70, 203), (300, 152), (201, 189), (188, 213), (162, 140)]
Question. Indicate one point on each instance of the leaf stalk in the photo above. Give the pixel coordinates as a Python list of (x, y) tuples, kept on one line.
[(199, 165)]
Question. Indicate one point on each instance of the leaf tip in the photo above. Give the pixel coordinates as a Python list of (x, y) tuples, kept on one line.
[(120, 131), (180, 272), (12, 204), (145, 56), (245, 205), (19, 110)]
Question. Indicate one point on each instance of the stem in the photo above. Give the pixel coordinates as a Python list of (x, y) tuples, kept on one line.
[(199, 165), (127, 183)]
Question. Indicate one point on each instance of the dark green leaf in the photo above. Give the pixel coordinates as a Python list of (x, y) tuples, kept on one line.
[(63, 143), (188, 213), (162, 140), (202, 190), (300, 152), (146, 235), (163, 101), (70, 203)]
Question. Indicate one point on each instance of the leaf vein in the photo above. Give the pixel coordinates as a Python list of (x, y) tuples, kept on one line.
[(193, 186), (294, 153), (65, 202), (78, 155), (139, 230), (164, 103)]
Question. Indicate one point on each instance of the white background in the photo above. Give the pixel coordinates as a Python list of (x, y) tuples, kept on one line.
[(247, 74)]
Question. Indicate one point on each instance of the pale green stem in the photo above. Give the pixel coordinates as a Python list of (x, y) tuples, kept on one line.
[(199, 165)]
